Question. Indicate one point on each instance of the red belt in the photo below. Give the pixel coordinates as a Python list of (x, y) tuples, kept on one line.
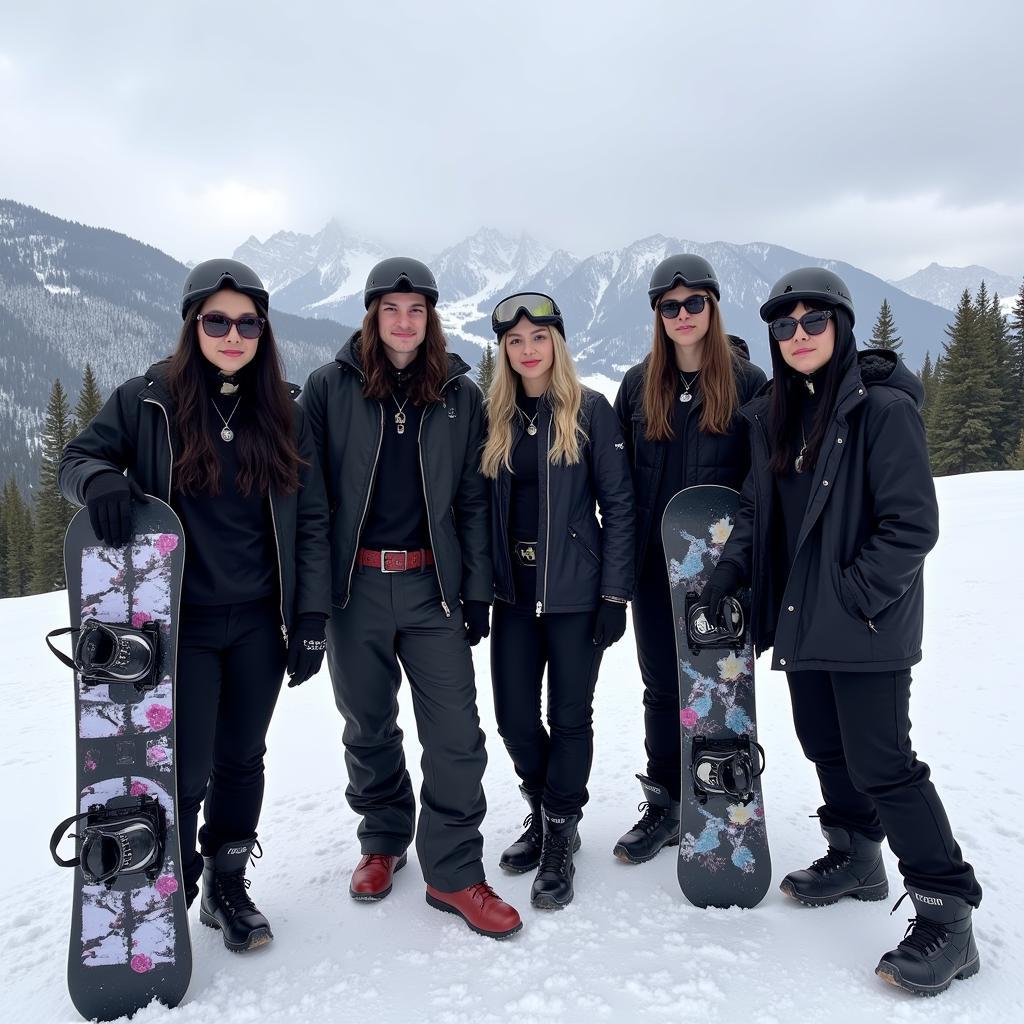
[(395, 561)]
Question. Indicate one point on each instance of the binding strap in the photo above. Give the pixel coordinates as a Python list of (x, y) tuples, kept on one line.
[(60, 654)]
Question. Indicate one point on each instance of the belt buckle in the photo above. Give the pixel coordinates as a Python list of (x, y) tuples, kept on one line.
[(384, 561)]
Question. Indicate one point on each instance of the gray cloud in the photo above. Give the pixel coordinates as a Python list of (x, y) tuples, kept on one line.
[(886, 135)]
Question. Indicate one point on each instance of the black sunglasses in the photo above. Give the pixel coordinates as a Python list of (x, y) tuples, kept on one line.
[(218, 325), (813, 323), (695, 304)]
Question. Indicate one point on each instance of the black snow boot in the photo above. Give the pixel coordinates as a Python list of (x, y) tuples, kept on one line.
[(659, 826), (226, 904), (938, 947), (552, 888), (852, 867), (524, 853)]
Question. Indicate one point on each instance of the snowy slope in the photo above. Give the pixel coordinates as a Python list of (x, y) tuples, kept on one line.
[(629, 947)]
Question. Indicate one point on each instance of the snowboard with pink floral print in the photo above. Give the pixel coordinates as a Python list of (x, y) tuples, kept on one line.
[(723, 844), (129, 943)]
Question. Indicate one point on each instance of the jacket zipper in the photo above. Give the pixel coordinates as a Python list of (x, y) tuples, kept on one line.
[(366, 506), (170, 447), (280, 572), (426, 497), (583, 544), (547, 528), (502, 473)]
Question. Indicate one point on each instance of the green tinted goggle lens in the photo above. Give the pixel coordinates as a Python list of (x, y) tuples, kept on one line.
[(534, 305)]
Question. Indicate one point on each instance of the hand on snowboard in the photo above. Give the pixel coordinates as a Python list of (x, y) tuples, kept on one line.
[(723, 582), (306, 648), (108, 497)]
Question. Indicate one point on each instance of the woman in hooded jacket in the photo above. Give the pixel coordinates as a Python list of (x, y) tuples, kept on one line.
[(836, 518)]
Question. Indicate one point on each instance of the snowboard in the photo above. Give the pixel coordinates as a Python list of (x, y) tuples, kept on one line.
[(129, 936), (723, 844)]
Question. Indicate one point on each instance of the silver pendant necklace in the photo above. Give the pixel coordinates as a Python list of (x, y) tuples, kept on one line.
[(799, 464), (400, 415), (226, 433), (531, 421), (687, 384)]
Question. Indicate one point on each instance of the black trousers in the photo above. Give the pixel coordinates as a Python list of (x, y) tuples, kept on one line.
[(855, 727), (654, 630), (396, 620), (554, 762), (231, 662)]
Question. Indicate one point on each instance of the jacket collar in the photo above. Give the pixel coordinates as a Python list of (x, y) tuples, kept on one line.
[(348, 356)]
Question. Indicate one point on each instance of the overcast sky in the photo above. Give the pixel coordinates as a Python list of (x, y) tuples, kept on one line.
[(885, 134)]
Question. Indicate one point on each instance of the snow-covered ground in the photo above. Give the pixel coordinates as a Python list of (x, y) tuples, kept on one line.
[(629, 947)]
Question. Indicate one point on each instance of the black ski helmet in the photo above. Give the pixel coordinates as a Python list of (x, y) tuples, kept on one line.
[(211, 275), (688, 269), (814, 284), (400, 274)]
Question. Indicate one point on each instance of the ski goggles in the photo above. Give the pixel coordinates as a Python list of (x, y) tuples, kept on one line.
[(218, 325), (813, 323), (536, 307), (670, 308)]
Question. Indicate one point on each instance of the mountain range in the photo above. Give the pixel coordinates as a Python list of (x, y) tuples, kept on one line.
[(72, 294)]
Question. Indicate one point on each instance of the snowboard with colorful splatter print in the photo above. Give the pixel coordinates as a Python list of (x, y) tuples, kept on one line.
[(723, 844), (130, 942)]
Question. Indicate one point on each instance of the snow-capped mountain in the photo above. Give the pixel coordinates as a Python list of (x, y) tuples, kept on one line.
[(943, 286)]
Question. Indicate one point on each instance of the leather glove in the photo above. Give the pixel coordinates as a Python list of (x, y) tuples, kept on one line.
[(723, 582), (609, 623), (476, 616), (108, 497), (306, 648)]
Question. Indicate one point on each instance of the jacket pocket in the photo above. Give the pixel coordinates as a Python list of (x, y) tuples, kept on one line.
[(847, 605), (576, 536)]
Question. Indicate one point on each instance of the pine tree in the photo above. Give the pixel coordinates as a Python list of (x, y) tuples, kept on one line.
[(1005, 430), (1015, 326), (883, 334), (90, 401), (485, 370), (53, 511), (16, 531), (927, 376), (1017, 459), (960, 438)]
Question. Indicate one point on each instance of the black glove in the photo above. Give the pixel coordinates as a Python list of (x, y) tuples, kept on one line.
[(609, 623), (723, 582), (108, 497), (476, 615), (306, 648)]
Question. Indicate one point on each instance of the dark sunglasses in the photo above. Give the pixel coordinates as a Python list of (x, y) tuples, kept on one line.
[(217, 325), (813, 323), (695, 304)]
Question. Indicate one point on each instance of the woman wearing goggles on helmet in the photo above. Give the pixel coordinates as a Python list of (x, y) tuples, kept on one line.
[(837, 516), (679, 410), (214, 431), (554, 453)]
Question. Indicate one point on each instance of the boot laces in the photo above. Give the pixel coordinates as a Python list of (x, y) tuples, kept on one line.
[(652, 817), (533, 830), (832, 861), (554, 853), (378, 858), (482, 892), (233, 890), (924, 935)]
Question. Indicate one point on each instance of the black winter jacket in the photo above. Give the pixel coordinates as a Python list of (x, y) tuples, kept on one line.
[(854, 599), (135, 431), (579, 561), (348, 428), (710, 458)]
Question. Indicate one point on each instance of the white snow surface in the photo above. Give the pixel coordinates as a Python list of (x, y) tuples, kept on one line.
[(629, 947)]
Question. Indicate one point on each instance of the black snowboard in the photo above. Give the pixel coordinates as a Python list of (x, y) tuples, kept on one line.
[(130, 940), (723, 844)]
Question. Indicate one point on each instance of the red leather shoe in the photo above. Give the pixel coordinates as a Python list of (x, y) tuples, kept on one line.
[(480, 907), (371, 880)]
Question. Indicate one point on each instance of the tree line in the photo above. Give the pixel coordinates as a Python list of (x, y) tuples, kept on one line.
[(973, 410)]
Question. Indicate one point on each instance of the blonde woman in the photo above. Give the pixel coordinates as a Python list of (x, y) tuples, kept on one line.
[(554, 453), (679, 410)]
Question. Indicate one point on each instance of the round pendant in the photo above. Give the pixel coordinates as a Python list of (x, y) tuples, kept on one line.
[(686, 397), (799, 464), (531, 429), (227, 434)]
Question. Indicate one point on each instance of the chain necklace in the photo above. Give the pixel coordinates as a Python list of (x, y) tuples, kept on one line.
[(400, 415), (226, 433), (531, 421), (799, 464), (686, 396)]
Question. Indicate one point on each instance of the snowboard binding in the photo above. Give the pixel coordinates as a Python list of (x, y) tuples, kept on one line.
[(109, 653), (125, 836), (726, 767), (703, 633)]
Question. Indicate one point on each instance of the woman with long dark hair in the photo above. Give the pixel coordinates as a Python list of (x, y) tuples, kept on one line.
[(554, 454), (837, 516), (679, 410), (214, 431)]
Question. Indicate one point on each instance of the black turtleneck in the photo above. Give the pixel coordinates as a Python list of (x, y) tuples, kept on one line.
[(397, 518), (230, 556)]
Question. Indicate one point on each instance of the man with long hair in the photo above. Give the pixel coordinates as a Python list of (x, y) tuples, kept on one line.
[(399, 428)]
